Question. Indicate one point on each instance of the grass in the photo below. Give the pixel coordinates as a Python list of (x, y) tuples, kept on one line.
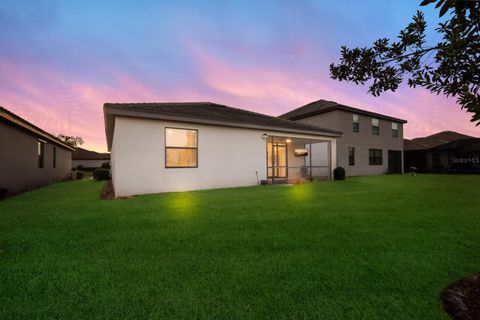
[(366, 248)]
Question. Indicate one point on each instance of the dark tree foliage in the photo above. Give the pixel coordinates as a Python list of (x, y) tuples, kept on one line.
[(71, 140), (451, 67)]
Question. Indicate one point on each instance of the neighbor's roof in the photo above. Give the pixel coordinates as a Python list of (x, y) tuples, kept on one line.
[(13, 119), (84, 154), (459, 146), (322, 106), (206, 113), (409, 145), (440, 138)]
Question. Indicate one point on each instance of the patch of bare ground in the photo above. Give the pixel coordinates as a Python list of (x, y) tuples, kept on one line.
[(461, 299), (107, 192)]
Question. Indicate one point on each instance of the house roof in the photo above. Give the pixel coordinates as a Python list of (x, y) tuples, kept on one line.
[(84, 154), (206, 113), (460, 146), (11, 118), (440, 138), (409, 145), (323, 106)]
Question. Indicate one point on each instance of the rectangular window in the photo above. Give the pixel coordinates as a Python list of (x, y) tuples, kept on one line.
[(181, 148), (54, 157), (394, 129), (375, 157), (356, 124), (40, 153), (351, 156), (375, 127)]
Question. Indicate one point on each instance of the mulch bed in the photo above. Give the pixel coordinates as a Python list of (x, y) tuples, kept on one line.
[(461, 299), (108, 193)]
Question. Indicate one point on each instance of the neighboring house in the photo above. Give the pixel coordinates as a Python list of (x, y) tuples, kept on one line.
[(372, 143), (31, 157), (89, 159), (446, 151), (162, 147)]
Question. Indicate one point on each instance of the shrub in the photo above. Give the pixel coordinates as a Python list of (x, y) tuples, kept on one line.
[(3, 192), (79, 167), (101, 174), (105, 165), (339, 173), (79, 175)]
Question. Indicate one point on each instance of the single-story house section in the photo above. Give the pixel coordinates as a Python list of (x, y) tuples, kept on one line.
[(88, 159), (163, 147), (31, 157), (445, 151)]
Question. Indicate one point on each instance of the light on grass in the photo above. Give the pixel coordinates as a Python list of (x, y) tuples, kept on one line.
[(300, 192), (182, 203)]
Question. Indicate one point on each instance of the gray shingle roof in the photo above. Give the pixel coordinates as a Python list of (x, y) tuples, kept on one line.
[(214, 112), (434, 140), (410, 145), (440, 138), (460, 146), (207, 113), (322, 106)]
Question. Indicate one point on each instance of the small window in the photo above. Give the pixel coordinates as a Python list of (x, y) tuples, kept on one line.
[(181, 148), (375, 127), (54, 157), (355, 123), (351, 156), (375, 157), (40, 153), (394, 129)]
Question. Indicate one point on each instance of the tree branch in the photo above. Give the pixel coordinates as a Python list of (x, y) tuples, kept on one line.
[(423, 51)]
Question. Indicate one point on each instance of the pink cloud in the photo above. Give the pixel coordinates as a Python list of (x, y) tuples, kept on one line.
[(275, 91), (60, 103)]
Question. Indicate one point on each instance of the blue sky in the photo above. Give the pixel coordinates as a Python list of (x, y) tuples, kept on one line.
[(61, 60)]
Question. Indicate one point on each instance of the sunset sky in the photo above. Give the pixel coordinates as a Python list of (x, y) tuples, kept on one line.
[(61, 60)]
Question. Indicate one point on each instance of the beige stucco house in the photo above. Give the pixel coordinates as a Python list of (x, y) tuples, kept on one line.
[(88, 159), (371, 143), (163, 147)]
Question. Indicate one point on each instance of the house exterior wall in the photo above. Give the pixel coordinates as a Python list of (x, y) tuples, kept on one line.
[(89, 163), (227, 157), (362, 141), (19, 169)]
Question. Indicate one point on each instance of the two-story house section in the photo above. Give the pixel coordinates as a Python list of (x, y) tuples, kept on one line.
[(372, 143)]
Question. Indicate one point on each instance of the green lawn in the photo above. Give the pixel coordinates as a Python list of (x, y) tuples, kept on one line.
[(366, 248)]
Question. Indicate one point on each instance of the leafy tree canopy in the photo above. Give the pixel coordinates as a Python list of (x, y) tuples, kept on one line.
[(71, 140), (450, 67)]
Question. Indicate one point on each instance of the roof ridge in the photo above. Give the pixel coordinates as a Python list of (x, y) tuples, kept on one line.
[(322, 106), (159, 103), (434, 135)]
